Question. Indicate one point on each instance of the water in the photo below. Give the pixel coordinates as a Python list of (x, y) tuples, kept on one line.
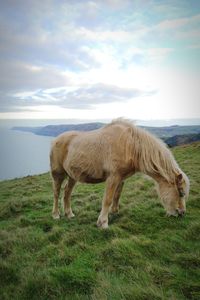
[(23, 154)]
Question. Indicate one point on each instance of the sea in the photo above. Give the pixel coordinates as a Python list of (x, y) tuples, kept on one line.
[(24, 153)]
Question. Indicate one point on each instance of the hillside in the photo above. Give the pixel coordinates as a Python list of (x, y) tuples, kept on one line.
[(169, 131), (162, 132), (54, 130), (182, 139), (143, 254)]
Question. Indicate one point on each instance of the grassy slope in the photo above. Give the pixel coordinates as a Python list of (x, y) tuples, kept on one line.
[(143, 255)]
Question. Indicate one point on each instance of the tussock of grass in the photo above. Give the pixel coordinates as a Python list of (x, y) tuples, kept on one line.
[(192, 232), (79, 276), (143, 255), (8, 274)]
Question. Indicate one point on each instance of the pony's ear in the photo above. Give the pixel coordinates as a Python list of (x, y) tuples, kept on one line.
[(179, 177), (179, 180)]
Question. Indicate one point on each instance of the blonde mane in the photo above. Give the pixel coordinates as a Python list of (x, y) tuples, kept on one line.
[(150, 154)]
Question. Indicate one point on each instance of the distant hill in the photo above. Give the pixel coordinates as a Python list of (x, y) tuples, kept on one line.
[(169, 131), (172, 135), (182, 139), (55, 130)]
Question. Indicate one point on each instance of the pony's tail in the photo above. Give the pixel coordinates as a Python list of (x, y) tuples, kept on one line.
[(55, 164)]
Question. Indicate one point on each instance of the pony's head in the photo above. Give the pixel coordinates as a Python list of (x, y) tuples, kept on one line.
[(174, 195)]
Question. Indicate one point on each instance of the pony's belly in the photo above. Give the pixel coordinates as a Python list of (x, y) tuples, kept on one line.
[(85, 176), (92, 177), (89, 179)]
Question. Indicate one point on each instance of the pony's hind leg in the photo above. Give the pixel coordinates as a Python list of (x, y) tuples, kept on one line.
[(57, 182), (115, 202), (67, 195)]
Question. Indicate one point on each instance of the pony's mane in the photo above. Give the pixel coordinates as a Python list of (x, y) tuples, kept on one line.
[(150, 154)]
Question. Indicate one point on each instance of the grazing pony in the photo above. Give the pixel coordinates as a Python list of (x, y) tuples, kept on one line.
[(112, 154)]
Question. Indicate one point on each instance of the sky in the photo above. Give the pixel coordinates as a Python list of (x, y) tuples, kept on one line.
[(99, 59)]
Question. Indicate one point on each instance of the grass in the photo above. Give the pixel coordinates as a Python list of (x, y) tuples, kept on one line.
[(143, 254)]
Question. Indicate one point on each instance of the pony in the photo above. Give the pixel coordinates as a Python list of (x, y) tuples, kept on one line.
[(111, 154)]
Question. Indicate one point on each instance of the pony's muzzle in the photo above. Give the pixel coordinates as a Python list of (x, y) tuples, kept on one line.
[(181, 212)]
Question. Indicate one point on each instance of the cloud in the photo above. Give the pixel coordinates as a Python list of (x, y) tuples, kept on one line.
[(78, 54), (180, 24), (194, 46), (158, 54), (19, 76), (43, 34), (99, 93), (171, 24), (86, 97), (190, 34)]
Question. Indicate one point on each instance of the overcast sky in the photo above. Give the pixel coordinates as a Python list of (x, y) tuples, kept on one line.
[(138, 59)]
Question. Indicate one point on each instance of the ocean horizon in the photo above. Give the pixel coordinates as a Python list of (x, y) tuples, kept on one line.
[(24, 153), (9, 123)]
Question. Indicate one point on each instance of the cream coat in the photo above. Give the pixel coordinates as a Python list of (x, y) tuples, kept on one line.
[(112, 154)]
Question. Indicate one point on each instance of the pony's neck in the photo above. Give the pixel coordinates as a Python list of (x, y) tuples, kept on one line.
[(152, 157), (158, 178)]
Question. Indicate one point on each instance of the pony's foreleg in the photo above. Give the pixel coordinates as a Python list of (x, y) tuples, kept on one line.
[(67, 195), (111, 187), (115, 202), (57, 182)]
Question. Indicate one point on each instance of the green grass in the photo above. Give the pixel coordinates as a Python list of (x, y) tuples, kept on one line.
[(143, 254)]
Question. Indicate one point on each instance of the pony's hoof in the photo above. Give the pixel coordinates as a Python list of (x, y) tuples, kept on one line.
[(56, 216), (114, 210), (102, 224), (70, 215)]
